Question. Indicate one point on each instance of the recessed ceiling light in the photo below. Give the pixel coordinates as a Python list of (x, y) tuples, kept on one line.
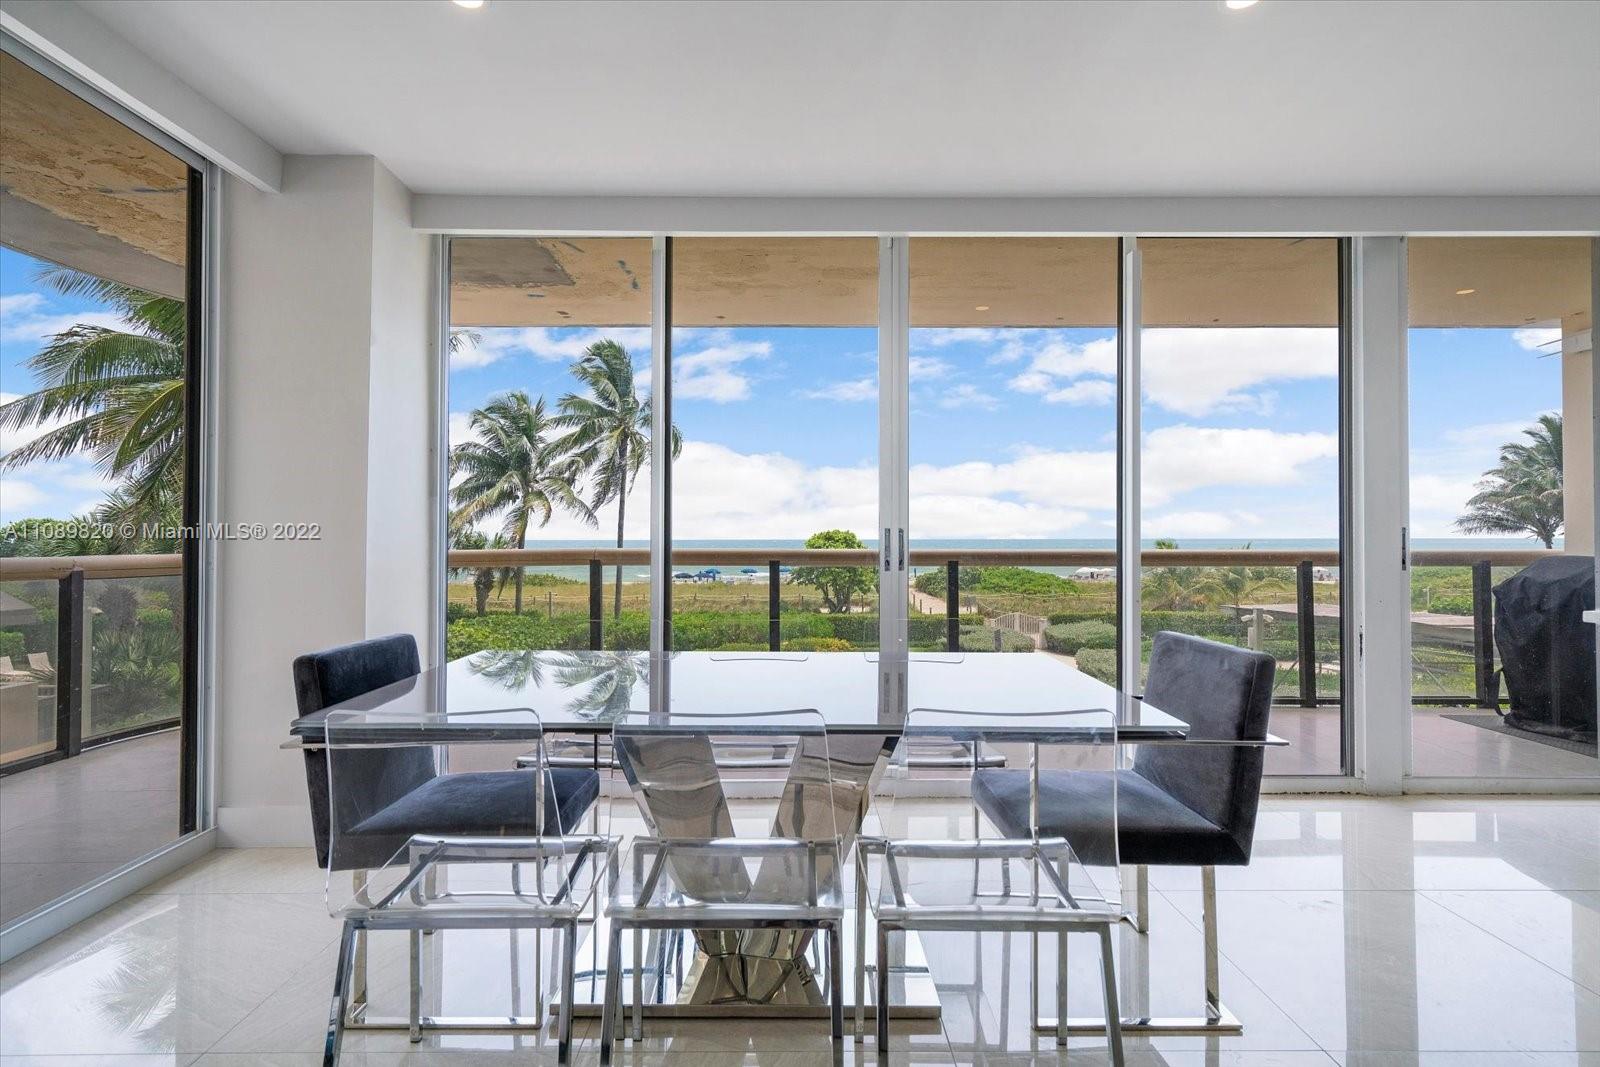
[(1465, 292), (981, 307), (1239, 5), (470, 5)]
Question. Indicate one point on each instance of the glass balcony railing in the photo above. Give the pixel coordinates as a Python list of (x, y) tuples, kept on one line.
[(91, 651)]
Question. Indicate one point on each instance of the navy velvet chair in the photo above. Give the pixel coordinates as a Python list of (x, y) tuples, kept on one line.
[(1190, 804), (389, 795)]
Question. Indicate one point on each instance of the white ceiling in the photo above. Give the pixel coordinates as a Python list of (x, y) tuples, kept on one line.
[(903, 99)]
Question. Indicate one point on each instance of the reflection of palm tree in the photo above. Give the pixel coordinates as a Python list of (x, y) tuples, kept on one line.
[(512, 669), (1523, 494), (140, 992), (607, 678), (610, 677), (609, 431), (514, 469)]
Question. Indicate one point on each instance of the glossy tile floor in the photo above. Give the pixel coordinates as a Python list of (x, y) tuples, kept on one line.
[(67, 823), (1440, 748), (1367, 932)]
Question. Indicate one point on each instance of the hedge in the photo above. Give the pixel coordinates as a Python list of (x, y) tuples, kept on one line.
[(13, 644), (1099, 663), (982, 639), (1069, 637), (818, 644)]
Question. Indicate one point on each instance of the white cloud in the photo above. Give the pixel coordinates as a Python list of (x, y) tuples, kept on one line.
[(543, 342), (19, 499), (1489, 436), (1087, 392), (1179, 459), (1202, 524), (967, 395), (1543, 339), (854, 391), (925, 367), (715, 373), (28, 326), (19, 304), (1190, 371)]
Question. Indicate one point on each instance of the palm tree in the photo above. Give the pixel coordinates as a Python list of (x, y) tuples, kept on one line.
[(485, 580), (1522, 495), (515, 469), (609, 431), (120, 392)]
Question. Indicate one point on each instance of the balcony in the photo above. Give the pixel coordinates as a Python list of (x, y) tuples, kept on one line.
[(90, 750)]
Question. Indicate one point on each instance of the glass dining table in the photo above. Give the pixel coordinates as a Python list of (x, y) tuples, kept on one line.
[(864, 699)]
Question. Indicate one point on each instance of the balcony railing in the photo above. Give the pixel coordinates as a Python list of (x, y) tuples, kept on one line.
[(1452, 638), (92, 653)]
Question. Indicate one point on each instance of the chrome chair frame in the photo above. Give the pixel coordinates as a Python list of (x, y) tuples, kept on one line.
[(813, 913), (1042, 853), (561, 913)]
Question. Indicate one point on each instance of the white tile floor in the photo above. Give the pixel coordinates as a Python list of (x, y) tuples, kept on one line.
[(1370, 933)]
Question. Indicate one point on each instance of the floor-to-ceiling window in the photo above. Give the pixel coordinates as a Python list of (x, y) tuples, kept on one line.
[(1502, 507), (1240, 471), (774, 368), (100, 392), (547, 400), (1013, 447)]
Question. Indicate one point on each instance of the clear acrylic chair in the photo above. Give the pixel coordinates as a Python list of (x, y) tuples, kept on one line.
[(913, 876), (755, 876), (496, 854)]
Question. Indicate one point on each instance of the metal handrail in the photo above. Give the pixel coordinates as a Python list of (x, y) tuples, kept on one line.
[(44, 568)]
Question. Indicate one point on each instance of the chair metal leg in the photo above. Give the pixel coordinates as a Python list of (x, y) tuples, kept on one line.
[(1208, 909), (415, 1000), (1141, 898), (861, 947), (638, 984), (569, 960), (1108, 977), (1061, 988), (836, 992), (883, 996), (358, 967), (342, 975), (608, 1009)]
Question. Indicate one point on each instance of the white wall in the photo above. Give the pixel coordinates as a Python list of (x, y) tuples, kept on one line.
[(324, 372)]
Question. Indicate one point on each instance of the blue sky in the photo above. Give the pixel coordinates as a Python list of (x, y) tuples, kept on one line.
[(1012, 431)]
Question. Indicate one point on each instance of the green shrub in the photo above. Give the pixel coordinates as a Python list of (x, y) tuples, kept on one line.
[(818, 644), (630, 632), (983, 638), (1099, 663), (154, 619), (13, 645), (454, 610), (741, 646), (1069, 637), (1450, 605), (516, 633)]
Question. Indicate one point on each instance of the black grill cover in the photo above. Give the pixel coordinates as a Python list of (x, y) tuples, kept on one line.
[(1546, 649)]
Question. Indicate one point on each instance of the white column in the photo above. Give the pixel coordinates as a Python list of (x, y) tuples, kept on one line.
[(1578, 437), (1379, 587), (325, 418)]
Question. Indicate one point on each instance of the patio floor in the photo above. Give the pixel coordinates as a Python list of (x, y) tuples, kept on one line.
[(67, 823)]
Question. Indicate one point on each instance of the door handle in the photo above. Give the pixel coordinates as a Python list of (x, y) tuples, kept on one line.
[(886, 560), (902, 549)]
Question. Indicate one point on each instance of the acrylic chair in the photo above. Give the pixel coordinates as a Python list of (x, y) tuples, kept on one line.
[(466, 804), (1186, 804), (508, 864), (753, 880), (912, 876)]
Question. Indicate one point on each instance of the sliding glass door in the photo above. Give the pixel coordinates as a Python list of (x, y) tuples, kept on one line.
[(1013, 457), (774, 379), (102, 274), (1502, 507), (1240, 467)]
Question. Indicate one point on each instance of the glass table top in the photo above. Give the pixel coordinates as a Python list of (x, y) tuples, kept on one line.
[(586, 691)]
